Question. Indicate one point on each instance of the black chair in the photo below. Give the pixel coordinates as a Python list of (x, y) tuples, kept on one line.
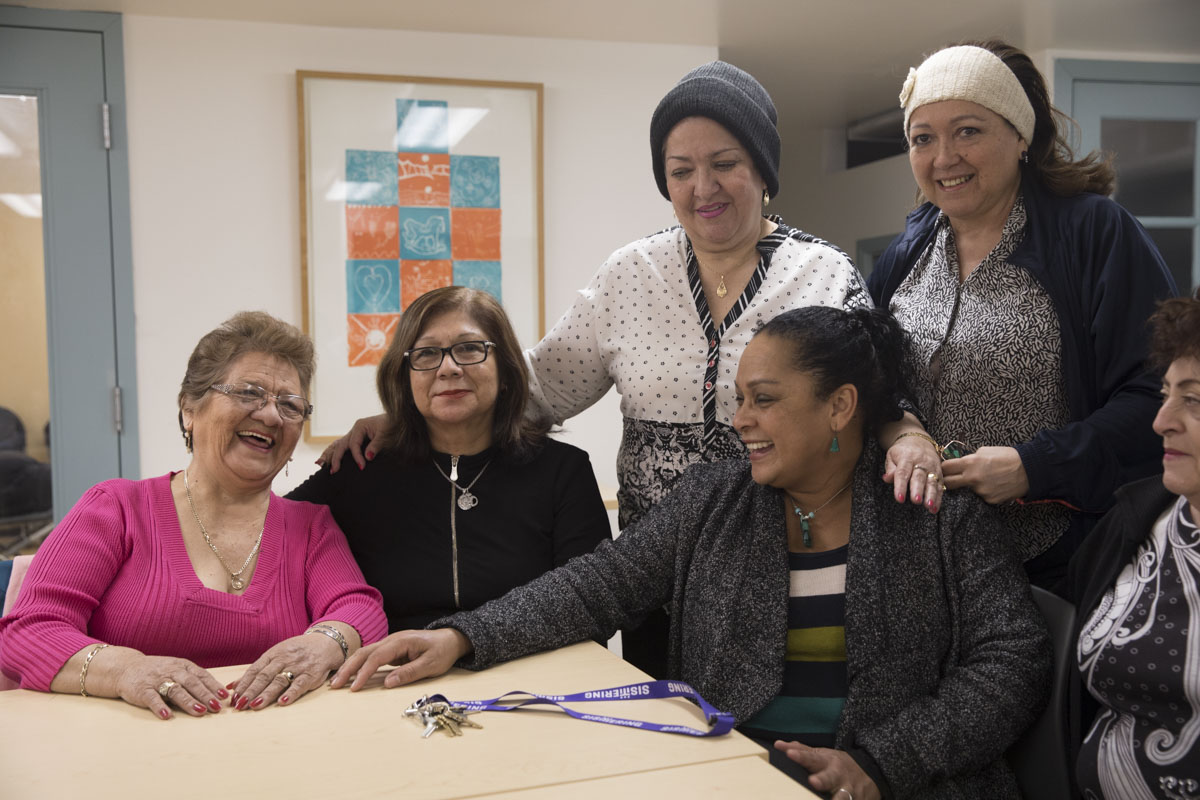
[(1041, 758)]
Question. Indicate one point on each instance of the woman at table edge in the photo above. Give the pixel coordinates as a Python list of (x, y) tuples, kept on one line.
[(146, 584), (945, 659)]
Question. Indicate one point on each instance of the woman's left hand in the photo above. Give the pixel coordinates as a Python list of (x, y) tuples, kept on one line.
[(909, 463), (832, 771), (994, 473), (309, 658)]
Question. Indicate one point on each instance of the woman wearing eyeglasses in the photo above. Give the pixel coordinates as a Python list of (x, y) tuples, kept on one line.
[(467, 497), (146, 584)]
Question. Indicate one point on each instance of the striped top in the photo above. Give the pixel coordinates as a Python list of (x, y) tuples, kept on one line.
[(809, 705)]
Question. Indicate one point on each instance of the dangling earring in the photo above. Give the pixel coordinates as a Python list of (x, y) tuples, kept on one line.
[(187, 440), (833, 446), (1024, 156), (766, 199), (285, 468)]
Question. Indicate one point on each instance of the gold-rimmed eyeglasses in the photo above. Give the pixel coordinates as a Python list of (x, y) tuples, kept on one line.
[(291, 406)]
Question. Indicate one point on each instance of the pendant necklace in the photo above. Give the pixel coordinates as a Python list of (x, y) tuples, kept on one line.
[(235, 578), (805, 519), (466, 501)]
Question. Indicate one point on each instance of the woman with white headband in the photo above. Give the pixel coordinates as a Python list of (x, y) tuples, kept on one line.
[(1026, 292)]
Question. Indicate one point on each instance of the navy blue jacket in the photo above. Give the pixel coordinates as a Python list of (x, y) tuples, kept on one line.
[(1104, 276)]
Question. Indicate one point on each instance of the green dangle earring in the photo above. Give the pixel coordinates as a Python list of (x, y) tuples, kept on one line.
[(833, 447)]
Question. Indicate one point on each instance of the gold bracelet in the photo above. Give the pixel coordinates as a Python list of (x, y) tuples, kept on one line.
[(87, 662), (924, 436)]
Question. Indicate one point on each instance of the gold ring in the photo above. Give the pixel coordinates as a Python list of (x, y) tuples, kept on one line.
[(165, 688), (932, 476), (288, 676)]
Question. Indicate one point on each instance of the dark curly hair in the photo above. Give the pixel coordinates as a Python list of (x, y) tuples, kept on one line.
[(1175, 331), (863, 347)]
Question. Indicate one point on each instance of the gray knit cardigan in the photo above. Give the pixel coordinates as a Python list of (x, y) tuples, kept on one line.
[(948, 659)]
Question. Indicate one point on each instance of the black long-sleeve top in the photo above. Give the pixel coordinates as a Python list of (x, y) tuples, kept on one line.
[(531, 517)]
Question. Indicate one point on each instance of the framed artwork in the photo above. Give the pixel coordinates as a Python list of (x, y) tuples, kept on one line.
[(408, 184)]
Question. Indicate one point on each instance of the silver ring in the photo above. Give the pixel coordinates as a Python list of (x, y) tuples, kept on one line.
[(844, 789), (165, 688), (287, 676)]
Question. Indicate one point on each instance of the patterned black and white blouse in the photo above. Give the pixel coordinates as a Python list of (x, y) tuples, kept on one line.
[(1139, 658), (643, 325), (989, 359)]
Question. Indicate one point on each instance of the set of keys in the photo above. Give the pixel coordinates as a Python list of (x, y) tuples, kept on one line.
[(437, 713)]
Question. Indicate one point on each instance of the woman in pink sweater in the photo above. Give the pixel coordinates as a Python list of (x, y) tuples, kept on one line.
[(146, 584)]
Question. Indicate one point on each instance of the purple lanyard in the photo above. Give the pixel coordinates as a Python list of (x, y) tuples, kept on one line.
[(719, 722)]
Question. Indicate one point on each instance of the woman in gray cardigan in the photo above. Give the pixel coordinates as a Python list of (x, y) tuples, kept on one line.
[(886, 651)]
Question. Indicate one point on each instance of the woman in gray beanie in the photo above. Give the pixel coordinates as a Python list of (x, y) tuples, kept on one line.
[(665, 319)]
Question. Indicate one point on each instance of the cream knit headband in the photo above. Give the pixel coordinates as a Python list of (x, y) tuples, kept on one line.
[(968, 73)]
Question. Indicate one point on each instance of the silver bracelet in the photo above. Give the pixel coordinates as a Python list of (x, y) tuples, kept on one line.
[(335, 634), (87, 662)]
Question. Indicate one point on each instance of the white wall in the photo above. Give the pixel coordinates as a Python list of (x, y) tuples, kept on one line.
[(215, 190)]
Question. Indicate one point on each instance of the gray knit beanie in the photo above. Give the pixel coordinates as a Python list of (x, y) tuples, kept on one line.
[(730, 96)]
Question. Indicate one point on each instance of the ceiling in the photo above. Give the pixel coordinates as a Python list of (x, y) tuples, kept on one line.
[(825, 63)]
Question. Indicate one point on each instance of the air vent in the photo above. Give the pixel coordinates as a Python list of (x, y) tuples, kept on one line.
[(877, 136)]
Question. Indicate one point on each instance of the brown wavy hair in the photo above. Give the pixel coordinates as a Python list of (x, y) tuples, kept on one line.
[(1051, 157), (407, 433), (1175, 331), (1052, 160)]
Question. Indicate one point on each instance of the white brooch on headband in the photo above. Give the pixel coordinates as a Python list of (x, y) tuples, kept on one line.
[(910, 83)]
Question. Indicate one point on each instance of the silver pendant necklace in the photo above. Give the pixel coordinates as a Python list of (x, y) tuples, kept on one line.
[(235, 578), (466, 501)]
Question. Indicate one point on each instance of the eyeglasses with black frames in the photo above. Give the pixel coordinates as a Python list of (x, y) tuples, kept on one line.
[(463, 353), (291, 407)]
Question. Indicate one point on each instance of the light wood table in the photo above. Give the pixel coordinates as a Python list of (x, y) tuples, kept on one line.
[(338, 744)]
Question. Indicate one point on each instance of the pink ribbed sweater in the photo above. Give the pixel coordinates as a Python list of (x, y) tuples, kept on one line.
[(116, 570)]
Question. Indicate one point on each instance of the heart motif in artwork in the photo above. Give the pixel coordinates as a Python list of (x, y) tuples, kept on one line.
[(373, 283)]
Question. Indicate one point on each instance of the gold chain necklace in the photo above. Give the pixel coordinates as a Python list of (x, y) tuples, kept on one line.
[(235, 578)]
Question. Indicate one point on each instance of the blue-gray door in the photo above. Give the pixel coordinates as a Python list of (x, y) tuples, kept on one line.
[(69, 66), (1147, 116)]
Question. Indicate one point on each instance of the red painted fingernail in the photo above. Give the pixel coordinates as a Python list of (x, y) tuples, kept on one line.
[(164, 713), (258, 701), (917, 498), (231, 684), (283, 701), (221, 693), (214, 704), (199, 709), (242, 701), (233, 701)]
